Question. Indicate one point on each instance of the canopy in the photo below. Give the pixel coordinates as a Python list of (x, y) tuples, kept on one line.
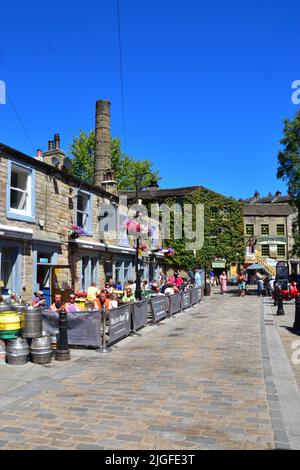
[(256, 266)]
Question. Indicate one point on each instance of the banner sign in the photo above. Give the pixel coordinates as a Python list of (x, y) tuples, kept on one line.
[(119, 322), (194, 296), (175, 303), (159, 306), (185, 299), (83, 327), (199, 293), (140, 312)]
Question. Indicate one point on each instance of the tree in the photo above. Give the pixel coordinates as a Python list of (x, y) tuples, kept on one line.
[(289, 169), (83, 151)]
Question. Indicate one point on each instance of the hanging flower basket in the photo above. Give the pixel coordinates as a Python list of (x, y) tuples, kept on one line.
[(76, 231), (133, 227), (142, 246), (168, 252)]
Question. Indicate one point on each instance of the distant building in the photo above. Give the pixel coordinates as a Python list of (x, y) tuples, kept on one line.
[(268, 225)]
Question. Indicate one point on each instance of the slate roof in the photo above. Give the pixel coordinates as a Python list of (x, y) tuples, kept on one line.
[(268, 209)]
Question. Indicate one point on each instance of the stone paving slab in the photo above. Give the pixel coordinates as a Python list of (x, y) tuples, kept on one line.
[(204, 388)]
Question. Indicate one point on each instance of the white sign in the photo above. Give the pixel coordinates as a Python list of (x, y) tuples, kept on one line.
[(2, 92)]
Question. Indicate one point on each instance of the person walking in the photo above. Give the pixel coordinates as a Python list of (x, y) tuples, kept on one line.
[(260, 282), (241, 284), (223, 282)]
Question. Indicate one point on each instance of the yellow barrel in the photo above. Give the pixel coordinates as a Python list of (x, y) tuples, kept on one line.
[(9, 325)]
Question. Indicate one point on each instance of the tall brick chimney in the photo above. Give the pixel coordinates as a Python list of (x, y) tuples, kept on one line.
[(103, 175)]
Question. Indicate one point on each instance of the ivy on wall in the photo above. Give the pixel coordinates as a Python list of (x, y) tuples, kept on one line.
[(223, 231)]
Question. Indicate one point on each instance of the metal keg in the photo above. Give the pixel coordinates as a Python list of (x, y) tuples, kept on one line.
[(6, 307), (41, 352), (2, 352), (54, 340), (33, 322), (17, 351), (9, 325)]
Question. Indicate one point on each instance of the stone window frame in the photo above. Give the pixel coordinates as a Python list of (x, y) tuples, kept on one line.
[(280, 232), (252, 230), (265, 230), (283, 254), (265, 248), (89, 210), (15, 214)]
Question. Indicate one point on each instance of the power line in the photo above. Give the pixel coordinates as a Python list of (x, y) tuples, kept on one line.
[(20, 121), (121, 71)]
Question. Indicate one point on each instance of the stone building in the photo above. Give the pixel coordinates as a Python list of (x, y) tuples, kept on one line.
[(268, 225), (40, 201), (218, 227)]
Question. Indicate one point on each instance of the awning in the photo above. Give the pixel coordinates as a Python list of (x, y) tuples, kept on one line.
[(256, 266), (266, 240)]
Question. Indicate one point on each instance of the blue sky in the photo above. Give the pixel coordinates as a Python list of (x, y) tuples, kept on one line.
[(206, 84)]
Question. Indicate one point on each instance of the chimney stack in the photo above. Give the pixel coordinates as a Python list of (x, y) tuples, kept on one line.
[(103, 175), (54, 150)]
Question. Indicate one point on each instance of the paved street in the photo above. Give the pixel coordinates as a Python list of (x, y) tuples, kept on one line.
[(201, 381)]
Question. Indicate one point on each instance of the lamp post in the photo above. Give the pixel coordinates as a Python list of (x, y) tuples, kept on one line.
[(153, 184), (138, 290)]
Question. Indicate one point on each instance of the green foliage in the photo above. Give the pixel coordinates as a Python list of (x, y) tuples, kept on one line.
[(228, 231), (124, 166), (289, 169)]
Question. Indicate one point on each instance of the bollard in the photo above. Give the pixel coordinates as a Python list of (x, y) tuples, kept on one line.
[(276, 296), (280, 310), (207, 289), (296, 325), (62, 353), (103, 348)]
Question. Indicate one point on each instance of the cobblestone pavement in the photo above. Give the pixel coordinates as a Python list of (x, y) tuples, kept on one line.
[(194, 382)]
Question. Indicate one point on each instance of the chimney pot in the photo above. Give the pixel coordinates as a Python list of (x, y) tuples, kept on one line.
[(57, 141), (50, 144), (38, 153)]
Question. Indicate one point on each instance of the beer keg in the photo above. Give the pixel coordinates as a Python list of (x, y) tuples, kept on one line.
[(17, 351), (33, 322), (41, 352), (9, 325)]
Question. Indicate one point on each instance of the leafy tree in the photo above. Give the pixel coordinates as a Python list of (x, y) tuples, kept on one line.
[(289, 169), (124, 166)]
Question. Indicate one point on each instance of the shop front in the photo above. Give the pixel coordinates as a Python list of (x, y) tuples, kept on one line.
[(45, 256)]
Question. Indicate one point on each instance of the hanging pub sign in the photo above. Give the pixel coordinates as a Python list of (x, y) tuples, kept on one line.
[(282, 270)]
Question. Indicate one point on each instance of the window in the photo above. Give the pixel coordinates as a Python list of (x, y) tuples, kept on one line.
[(10, 268), (123, 270), (20, 193), (249, 229), (213, 212), (280, 229), (225, 212), (213, 241), (265, 250), (94, 270), (264, 228), (84, 212), (89, 271), (280, 250)]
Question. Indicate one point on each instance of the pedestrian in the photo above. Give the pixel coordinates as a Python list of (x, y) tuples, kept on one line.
[(212, 278), (71, 306), (223, 282), (129, 296), (241, 284), (260, 282), (102, 301), (38, 300), (197, 278), (92, 292), (57, 305)]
